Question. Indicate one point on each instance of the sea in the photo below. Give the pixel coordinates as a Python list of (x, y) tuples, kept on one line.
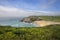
[(14, 22)]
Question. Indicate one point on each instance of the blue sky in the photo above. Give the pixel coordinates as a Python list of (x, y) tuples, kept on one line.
[(27, 7)]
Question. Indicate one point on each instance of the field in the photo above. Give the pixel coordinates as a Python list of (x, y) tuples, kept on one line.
[(51, 18), (51, 32)]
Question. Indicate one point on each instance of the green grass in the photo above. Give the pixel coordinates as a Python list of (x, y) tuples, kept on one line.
[(51, 32), (51, 18)]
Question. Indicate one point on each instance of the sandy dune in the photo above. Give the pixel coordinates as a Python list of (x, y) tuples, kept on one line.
[(45, 23)]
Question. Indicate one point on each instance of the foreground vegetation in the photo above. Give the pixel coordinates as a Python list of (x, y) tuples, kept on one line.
[(51, 32)]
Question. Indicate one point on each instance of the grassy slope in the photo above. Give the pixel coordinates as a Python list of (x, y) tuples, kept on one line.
[(51, 32), (51, 18)]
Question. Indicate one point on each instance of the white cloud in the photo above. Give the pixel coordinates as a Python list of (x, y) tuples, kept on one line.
[(13, 12), (8, 9)]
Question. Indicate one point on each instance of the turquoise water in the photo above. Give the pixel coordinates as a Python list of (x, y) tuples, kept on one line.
[(15, 22)]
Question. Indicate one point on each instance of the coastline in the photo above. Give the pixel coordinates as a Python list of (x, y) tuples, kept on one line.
[(45, 23)]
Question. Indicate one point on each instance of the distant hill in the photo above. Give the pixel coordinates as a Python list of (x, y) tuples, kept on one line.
[(38, 18)]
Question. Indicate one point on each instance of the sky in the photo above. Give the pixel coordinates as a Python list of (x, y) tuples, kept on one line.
[(17, 8)]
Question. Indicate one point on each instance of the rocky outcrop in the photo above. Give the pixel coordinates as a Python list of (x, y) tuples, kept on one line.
[(31, 19), (26, 20)]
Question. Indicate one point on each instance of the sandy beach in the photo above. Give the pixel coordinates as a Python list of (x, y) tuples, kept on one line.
[(45, 23)]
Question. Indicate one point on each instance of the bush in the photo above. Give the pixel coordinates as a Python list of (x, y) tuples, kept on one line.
[(30, 33)]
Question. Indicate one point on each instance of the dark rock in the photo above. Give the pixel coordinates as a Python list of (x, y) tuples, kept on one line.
[(31, 19)]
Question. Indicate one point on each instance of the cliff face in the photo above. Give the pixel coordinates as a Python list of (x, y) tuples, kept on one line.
[(26, 20), (31, 19)]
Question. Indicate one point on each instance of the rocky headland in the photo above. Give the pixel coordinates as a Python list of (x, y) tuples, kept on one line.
[(39, 21)]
